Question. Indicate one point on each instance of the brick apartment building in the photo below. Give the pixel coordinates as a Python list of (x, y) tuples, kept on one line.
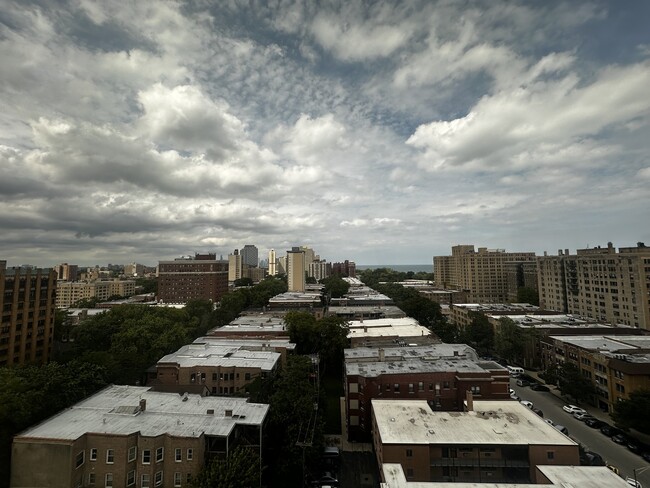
[(69, 293), (28, 306), (495, 441), (128, 436), (440, 374), (199, 277)]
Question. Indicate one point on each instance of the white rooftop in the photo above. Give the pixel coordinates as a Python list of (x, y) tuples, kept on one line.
[(253, 323), (559, 476), (115, 410), (248, 343), (389, 326), (490, 422), (607, 343), (209, 354)]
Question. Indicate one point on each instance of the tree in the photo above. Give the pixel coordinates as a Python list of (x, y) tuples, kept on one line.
[(571, 382), (241, 469), (335, 286), (479, 334), (327, 336), (508, 340), (527, 295), (310, 280), (243, 282), (148, 285), (633, 412)]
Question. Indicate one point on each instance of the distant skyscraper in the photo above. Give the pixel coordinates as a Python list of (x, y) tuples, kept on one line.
[(249, 255), (296, 270), (273, 266), (67, 272), (234, 266)]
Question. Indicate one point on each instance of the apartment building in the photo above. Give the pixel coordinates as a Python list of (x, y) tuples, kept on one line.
[(365, 312), (235, 266), (278, 344), (345, 268), (499, 441), (191, 278), (295, 270), (439, 374), (67, 272), (520, 274), (319, 270), (28, 306), (462, 314), (258, 326), (482, 273), (388, 332), (69, 293), (128, 436), (599, 283), (224, 369), (616, 365)]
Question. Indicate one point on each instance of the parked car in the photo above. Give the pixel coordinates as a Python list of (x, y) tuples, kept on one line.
[(610, 431), (633, 445), (522, 382), (633, 482), (538, 412), (539, 387), (562, 429), (526, 403), (590, 458), (573, 409), (549, 421), (594, 423), (614, 469), (620, 438), (583, 416), (646, 455)]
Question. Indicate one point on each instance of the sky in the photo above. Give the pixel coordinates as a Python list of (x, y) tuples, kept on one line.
[(380, 132)]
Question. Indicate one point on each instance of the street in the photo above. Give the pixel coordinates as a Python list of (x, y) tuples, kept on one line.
[(593, 440)]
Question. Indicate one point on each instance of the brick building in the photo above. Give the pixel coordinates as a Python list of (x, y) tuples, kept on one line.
[(187, 279), (28, 306), (127, 436), (499, 441), (440, 374)]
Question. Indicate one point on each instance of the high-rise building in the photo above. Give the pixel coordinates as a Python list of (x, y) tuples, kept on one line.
[(27, 305), (273, 265), (282, 265), (188, 278), (249, 256), (295, 270), (67, 272), (234, 266), (346, 268), (134, 269), (520, 274), (598, 283), (482, 273), (320, 269)]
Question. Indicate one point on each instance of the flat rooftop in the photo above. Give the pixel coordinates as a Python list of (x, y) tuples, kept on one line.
[(228, 356), (248, 343), (389, 326), (115, 410), (559, 476), (497, 307), (491, 422), (605, 343), (386, 310), (257, 324), (297, 297)]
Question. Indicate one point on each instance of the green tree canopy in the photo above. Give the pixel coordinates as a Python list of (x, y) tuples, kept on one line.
[(572, 383), (632, 413), (241, 469), (335, 286), (327, 336), (508, 340), (479, 334), (527, 295), (243, 282)]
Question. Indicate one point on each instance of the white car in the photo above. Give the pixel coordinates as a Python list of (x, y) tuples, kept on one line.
[(633, 482), (573, 409), (549, 421), (526, 403), (582, 415)]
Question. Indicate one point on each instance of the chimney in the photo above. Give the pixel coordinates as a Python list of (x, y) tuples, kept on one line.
[(455, 353), (469, 400), (365, 328), (382, 356), (143, 405)]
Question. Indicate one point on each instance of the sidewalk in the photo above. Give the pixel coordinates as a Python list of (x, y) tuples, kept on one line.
[(593, 411)]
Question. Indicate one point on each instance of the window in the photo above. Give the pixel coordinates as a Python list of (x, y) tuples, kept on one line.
[(409, 473), (190, 454), (396, 387), (91, 478), (177, 479), (158, 479), (144, 481), (81, 458), (476, 390), (409, 453), (108, 479), (550, 454), (247, 376), (130, 478), (110, 456), (160, 453), (133, 453), (146, 456), (178, 455)]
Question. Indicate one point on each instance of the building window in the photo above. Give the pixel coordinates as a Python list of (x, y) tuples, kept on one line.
[(247, 376), (108, 479), (110, 456), (409, 473), (158, 478), (476, 390), (420, 386), (190, 454), (81, 458), (144, 481), (160, 454), (178, 455), (146, 456), (91, 478), (409, 453), (550, 454), (133, 453), (177, 479), (396, 387), (130, 478)]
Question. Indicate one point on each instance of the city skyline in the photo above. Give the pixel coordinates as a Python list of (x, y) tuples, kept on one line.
[(379, 133)]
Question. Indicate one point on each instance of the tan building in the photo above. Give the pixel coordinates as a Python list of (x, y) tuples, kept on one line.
[(67, 272), (222, 369), (235, 266), (482, 273), (202, 277), (273, 264), (500, 441), (296, 270), (599, 283), (520, 274), (128, 436), (440, 374), (462, 314), (134, 269), (70, 293), (616, 365), (28, 306), (388, 332)]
